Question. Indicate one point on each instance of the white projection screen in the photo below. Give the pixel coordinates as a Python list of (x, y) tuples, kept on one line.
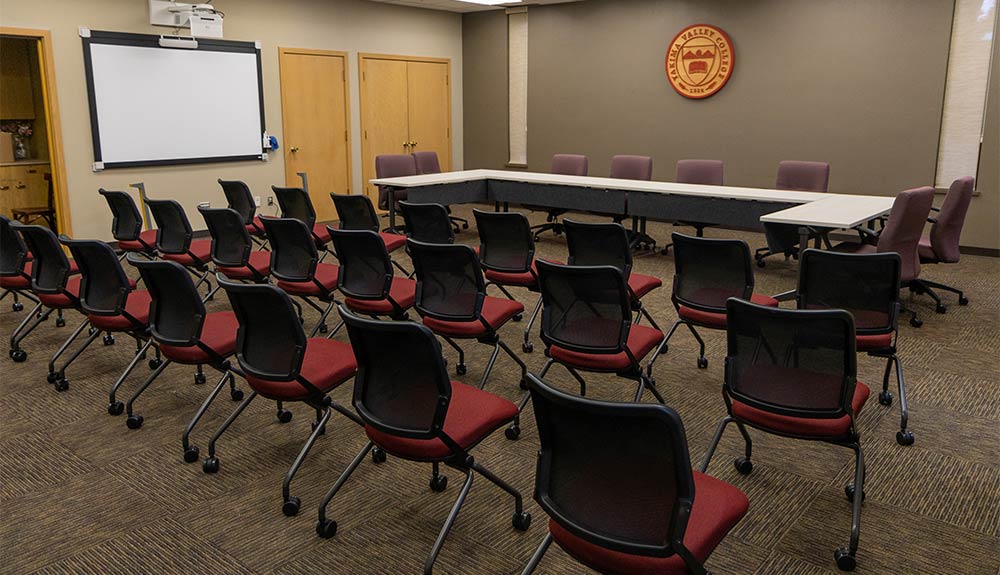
[(151, 105)]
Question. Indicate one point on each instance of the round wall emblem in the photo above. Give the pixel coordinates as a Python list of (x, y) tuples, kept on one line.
[(699, 61)]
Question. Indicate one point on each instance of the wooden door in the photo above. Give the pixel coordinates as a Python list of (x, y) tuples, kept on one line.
[(383, 114), (315, 120), (429, 106)]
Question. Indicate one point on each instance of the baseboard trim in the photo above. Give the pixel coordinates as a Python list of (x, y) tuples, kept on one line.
[(974, 251)]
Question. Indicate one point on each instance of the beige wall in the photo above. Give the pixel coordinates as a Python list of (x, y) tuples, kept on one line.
[(349, 25)]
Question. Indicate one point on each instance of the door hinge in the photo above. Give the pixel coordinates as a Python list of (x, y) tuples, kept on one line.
[(345, 135), (366, 134)]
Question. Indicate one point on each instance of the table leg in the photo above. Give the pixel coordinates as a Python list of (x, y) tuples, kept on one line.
[(391, 195)]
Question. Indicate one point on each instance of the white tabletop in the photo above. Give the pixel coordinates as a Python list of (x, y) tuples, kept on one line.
[(834, 211)]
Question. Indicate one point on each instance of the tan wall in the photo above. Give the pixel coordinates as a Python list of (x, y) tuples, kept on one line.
[(350, 25)]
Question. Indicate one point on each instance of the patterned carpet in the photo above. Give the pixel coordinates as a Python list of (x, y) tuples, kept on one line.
[(81, 493)]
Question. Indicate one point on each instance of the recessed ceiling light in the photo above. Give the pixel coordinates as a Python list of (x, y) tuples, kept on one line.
[(491, 2)]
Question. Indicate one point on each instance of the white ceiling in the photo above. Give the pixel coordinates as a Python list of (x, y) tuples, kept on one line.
[(456, 6)]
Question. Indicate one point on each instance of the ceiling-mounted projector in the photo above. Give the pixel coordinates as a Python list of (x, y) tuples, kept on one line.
[(203, 19)]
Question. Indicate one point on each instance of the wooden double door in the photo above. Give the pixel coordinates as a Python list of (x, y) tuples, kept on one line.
[(405, 108)]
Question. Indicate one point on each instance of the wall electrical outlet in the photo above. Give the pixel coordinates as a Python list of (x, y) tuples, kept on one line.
[(270, 200), (205, 205), (256, 201)]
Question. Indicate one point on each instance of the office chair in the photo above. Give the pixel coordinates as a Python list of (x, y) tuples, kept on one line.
[(126, 225), (15, 269), (568, 165), (427, 223), (634, 168), (796, 176), (866, 285), (240, 198), (587, 325), (295, 203), (356, 212), (707, 272), (393, 166), (186, 334), (295, 263), (701, 172), (281, 364), (451, 298), (174, 241), (901, 234), (232, 247), (412, 410), (793, 373), (427, 163), (507, 256), (607, 244), (940, 246), (656, 515)]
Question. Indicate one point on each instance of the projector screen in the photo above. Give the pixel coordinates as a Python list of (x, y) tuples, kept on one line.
[(151, 105)]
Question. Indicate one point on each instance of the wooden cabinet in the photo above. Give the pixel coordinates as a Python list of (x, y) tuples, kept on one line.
[(17, 100), (23, 186)]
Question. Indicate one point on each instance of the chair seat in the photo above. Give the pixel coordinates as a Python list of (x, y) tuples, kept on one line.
[(326, 275), (199, 254), (402, 291), (472, 415), (65, 300), (718, 320), (641, 340), (321, 234), (496, 312), (718, 506), (803, 426), (874, 342), (640, 285), (256, 228), (137, 306), (145, 243), (21, 281), (926, 252), (258, 261), (521, 279), (218, 334), (326, 364), (392, 241)]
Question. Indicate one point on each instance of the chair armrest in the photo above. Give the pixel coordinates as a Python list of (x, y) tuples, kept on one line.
[(867, 235)]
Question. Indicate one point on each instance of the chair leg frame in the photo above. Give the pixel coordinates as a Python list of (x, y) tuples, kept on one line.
[(61, 372), (319, 429), (229, 421), (140, 354), (19, 333), (536, 558), (531, 322), (149, 381), (226, 376)]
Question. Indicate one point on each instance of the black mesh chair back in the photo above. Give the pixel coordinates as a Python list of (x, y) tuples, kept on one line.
[(355, 211), (427, 223), (450, 284), (126, 221), (295, 203), (14, 252), (50, 266), (270, 342), (104, 287), (404, 393), (866, 285), (239, 198), (798, 363), (176, 313), (293, 251), (709, 271), (231, 244), (365, 269), (505, 241), (641, 508), (598, 244), (173, 230), (584, 308)]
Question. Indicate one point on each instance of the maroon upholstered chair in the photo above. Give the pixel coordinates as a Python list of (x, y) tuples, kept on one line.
[(15, 270), (940, 246), (232, 246), (427, 163), (628, 167), (797, 176), (567, 165), (393, 166), (126, 225), (240, 198), (705, 172), (901, 234), (175, 240)]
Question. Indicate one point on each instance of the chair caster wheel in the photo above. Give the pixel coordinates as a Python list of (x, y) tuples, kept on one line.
[(134, 421), (845, 560), (439, 483), (885, 398), (109, 339), (962, 300), (191, 454), (236, 394), (904, 437), (155, 363), (512, 432), (702, 362), (849, 492), (18, 306), (116, 408), (517, 317), (199, 378), (941, 308), (312, 427), (378, 456), (461, 369), (465, 226), (326, 528), (210, 465), (291, 506), (18, 355), (52, 377), (323, 328), (743, 465), (916, 322), (526, 347), (60, 322), (521, 521), (62, 384), (761, 263), (523, 384), (284, 416)]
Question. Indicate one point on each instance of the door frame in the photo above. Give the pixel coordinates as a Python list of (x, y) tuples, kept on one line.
[(362, 56), (285, 51), (53, 125)]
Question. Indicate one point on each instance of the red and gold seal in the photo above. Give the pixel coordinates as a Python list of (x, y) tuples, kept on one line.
[(700, 61)]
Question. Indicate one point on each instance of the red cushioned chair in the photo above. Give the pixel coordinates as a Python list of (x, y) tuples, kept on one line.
[(451, 298), (232, 247), (295, 203), (793, 373), (240, 198), (185, 334), (586, 325), (15, 270), (126, 225), (280, 363), (653, 514), (295, 263), (393, 166), (412, 409), (427, 163), (707, 272), (356, 212), (174, 241), (867, 285), (427, 223)]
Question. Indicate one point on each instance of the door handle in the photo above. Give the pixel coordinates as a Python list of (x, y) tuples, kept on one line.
[(21, 186), (406, 145), (4, 187), (413, 144), (293, 149)]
